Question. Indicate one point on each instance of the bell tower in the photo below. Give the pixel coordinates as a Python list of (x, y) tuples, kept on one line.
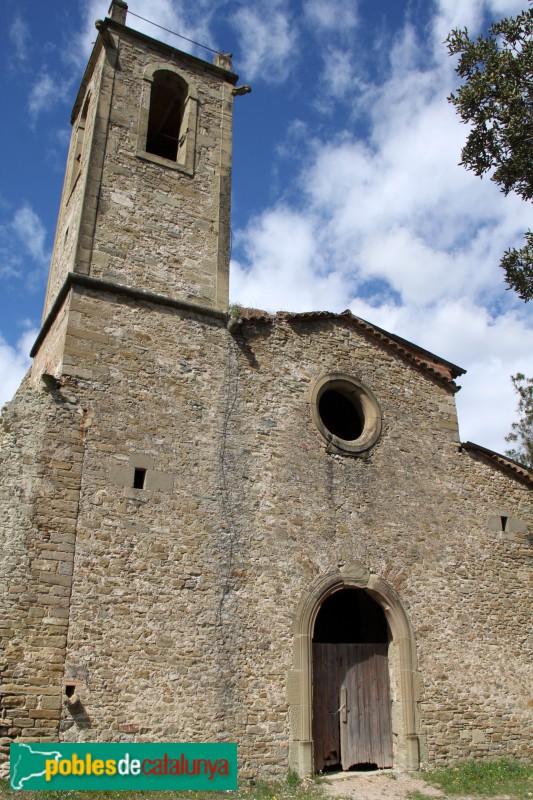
[(146, 197)]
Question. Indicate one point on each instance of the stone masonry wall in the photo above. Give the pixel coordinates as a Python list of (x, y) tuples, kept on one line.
[(41, 452), (185, 592), (49, 357)]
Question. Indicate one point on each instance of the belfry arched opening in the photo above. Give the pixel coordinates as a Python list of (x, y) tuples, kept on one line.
[(351, 688)]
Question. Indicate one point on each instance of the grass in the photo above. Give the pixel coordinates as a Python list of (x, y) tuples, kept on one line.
[(483, 779), (416, 795), (292, 789), (501, 778)]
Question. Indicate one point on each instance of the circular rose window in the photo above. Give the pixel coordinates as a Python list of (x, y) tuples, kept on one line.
[(346, 413)]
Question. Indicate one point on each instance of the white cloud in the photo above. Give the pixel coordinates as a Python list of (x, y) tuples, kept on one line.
[(339, 16), (47, 92), (20, 35), (332, 24), (338, 76), (31, 233), (23, 236), (287, 269), (11, 262), (14, 363), (267, 39)]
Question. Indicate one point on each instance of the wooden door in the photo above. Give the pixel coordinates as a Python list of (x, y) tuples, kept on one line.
[(326, 688), (351, 705)]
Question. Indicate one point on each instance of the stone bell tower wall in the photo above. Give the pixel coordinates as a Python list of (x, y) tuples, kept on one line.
[(133, 217), (79, 194)]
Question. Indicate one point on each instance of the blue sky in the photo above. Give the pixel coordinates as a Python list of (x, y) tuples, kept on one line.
[(346, 187)]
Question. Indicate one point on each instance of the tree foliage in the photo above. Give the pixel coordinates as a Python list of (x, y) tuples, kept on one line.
[(496, 98), (521, 436)]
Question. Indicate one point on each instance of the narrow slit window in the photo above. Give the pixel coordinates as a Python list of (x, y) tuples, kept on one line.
[(78, 145), (167, 101), (504, 523), (139, 478)]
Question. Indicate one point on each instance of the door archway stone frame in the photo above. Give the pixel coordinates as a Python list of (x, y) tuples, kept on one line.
[(353, 575)]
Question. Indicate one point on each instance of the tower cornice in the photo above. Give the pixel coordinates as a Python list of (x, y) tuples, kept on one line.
[(75, 280), (109, 25)]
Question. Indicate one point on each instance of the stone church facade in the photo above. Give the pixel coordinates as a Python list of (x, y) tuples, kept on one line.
[(225, 525)]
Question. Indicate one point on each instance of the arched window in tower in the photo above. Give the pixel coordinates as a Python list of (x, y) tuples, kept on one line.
[(168, 118), (167, 102), (78, 144)]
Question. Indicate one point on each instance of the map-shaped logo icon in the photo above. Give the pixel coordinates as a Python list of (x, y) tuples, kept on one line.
[(28, 762)]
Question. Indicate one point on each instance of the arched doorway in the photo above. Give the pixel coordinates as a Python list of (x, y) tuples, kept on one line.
[(351, 692), (406, 680)]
